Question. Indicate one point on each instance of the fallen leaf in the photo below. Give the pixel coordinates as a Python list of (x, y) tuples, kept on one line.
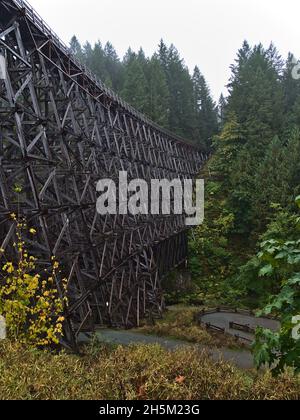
[(180, 379), (141, 392)]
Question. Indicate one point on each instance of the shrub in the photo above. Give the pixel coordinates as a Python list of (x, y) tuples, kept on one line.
[(180, 323), (281, 260), (29, 301)]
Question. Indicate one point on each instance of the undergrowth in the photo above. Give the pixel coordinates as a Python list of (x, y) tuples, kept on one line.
[(180, 323), (137, 372)]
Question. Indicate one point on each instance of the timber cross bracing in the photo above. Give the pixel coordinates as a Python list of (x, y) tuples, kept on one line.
[(61, 130)]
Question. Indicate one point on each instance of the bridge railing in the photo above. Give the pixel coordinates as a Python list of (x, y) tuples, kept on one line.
[(38, 21), (45, 28)]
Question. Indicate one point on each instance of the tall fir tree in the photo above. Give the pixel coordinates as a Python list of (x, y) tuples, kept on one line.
[(113, 67), (94, 59), (135, 85), (181, 119), (255, 90), (291, 88), (76, 48), (270, 180), (158, 92), (205, 111), (256, 98), (226, 146), (221, 110), (163, 55)]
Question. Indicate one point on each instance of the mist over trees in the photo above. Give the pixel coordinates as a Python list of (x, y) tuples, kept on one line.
[(160, 86)]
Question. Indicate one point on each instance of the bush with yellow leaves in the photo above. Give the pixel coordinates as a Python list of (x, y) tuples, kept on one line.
[(29, 301)]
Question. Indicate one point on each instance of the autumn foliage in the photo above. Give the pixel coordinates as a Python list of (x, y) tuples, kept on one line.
[(29, 300)]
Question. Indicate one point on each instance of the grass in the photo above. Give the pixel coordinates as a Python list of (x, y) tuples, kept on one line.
[(136, 372), (179, 322)]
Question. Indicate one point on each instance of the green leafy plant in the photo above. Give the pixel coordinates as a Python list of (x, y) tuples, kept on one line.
[(281, 349)]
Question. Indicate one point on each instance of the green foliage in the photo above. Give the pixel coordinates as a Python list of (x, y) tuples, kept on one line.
[(226, 146), (180, 85), (284, 225), (210, 256), (180, 322), (135, 85), (254, 112), (222, 110), (158, 93), (291, 97), (255, 164), (277, 177), (256, 94), (206, 123), (281, 260)]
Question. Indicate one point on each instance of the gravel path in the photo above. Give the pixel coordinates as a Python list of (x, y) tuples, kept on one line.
[(223, 319)]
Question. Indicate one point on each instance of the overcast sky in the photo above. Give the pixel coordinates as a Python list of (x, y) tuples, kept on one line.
[(207, 33)]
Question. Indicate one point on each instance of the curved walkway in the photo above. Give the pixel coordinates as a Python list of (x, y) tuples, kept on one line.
[(224, 319), (240, 358)]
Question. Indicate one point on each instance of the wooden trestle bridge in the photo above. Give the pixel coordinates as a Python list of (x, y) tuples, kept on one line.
[(61, 130)]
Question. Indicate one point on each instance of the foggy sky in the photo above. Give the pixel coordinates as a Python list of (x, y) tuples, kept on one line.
[(207, 33)]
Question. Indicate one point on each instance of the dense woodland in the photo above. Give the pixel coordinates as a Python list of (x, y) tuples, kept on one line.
[(248, 249)]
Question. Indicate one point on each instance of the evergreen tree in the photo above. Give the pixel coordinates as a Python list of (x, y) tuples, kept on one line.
[(181, 118), (227, 144), (141, 56), (256, 94), (129, 56), (291, 163), (278, 176), (98, 63), (205, 111), (135, 85), (163, 55), (221, 110), (113, 67), (291, 88), (270, 180), (76, 48), (94, 59), (157, 93), (256, 97)]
